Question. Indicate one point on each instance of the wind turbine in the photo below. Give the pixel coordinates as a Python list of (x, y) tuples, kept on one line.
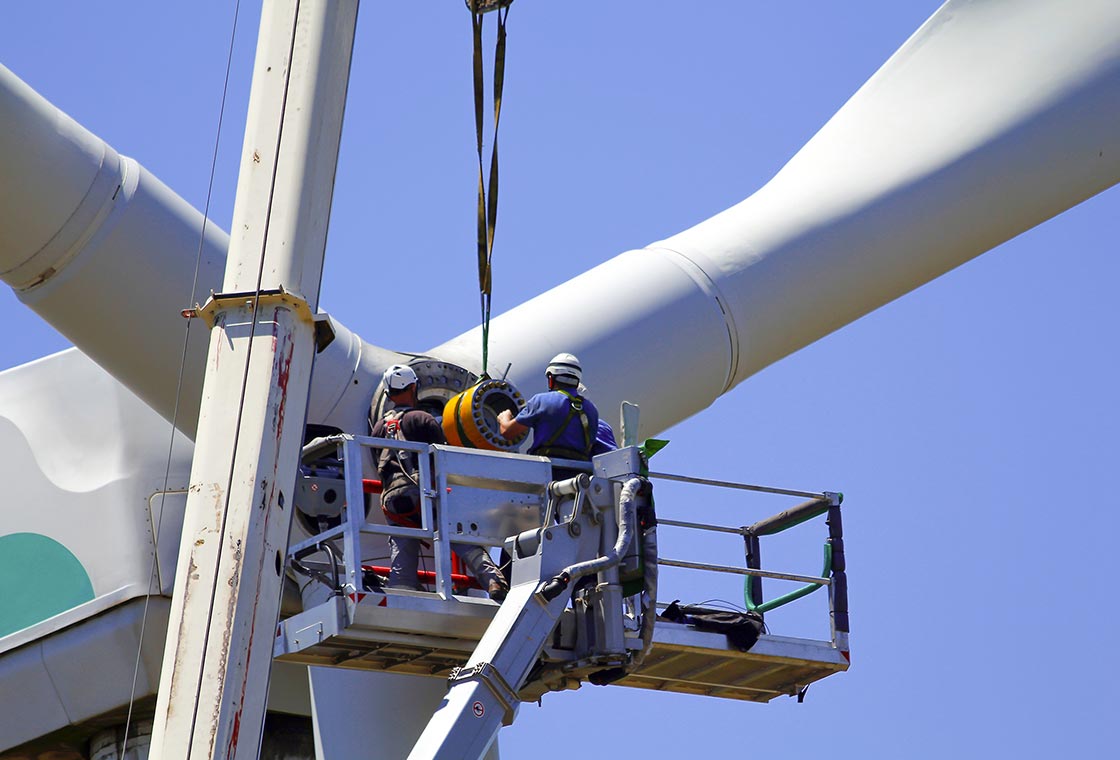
[(714, 457)]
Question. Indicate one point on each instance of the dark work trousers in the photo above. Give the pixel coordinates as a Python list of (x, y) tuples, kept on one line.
[(402, 508)]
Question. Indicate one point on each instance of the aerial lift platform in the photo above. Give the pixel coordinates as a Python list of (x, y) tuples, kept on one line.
[(583, 601)]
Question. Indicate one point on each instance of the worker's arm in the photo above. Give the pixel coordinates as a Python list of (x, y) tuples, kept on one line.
[(509, 427)]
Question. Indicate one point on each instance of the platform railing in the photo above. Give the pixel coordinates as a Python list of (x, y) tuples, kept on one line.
[(440, 471), (354, 524), (346, 566), (833, 575)]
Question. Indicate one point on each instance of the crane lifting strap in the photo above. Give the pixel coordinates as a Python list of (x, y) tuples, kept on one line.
[(487, 191)]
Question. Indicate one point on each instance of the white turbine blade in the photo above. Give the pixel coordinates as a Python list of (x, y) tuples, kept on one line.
[(105, 252), (995, 116), (100, 248)]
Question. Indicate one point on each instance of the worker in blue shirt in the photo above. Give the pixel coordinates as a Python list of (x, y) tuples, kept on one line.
[(564, 423)]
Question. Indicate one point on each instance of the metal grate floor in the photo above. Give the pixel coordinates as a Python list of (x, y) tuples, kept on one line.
[(424, 636)]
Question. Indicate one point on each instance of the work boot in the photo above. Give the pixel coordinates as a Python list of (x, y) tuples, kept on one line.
[(497, 589)]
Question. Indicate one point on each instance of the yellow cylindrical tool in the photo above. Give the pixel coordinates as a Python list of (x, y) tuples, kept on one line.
[(470, 418)]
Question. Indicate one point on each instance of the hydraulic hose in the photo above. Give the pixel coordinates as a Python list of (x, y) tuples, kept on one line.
[(626, 523), (649, 598)]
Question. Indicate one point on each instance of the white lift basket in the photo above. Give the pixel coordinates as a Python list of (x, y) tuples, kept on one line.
[(581, 554)]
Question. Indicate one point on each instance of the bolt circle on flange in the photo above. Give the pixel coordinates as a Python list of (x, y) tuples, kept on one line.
[(470, 418)]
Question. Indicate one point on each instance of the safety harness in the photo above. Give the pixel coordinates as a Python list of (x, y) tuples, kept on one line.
[(549, 449), (394, 428)]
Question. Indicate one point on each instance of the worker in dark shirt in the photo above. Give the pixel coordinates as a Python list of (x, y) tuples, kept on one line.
[(564, 423), (400, 497)]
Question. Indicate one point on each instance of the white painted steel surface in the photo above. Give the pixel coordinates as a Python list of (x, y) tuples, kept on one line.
[(214, 682), (344, 378)]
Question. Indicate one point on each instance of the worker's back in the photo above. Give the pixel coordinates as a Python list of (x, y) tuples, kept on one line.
[(407, 425), (564, 424)]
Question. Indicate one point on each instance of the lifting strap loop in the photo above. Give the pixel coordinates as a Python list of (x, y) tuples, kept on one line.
[(487, 190)]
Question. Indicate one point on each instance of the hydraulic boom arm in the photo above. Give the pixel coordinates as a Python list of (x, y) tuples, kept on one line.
[(547, 562)]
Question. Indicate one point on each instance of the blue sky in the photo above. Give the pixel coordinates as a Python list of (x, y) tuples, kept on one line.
[(971, 424)]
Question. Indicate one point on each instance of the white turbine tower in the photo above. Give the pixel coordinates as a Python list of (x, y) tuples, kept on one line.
[(992, 118)]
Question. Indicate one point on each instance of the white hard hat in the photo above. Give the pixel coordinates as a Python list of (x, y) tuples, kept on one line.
[(398, 377), (565, 366)]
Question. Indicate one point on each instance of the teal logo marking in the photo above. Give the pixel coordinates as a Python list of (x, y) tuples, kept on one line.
[(39, 578)]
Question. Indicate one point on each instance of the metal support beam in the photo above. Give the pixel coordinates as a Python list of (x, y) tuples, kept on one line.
[(226, 600)]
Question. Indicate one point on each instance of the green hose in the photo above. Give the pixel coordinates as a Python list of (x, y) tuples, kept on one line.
[(795, 594)]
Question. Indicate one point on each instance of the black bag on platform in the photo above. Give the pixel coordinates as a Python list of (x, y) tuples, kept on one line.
[(741, 628)]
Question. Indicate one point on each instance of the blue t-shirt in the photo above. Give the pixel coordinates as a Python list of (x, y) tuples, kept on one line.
[(546, 412)]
